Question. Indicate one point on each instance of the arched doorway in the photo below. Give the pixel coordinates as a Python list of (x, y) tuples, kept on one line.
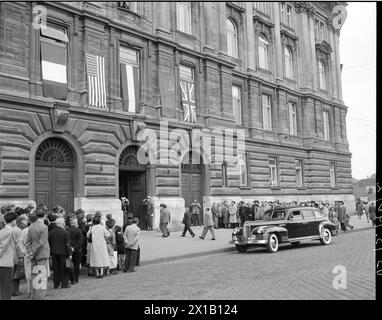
[(192, 183), (54, 165), (132, 183)]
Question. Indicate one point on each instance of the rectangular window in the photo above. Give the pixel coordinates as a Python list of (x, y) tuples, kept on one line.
[(282, 12), (224, 175), (129, 79), (243, 170), (236, 104), (186, 73), (183, 16), (273, 172), (53, 44), (187, 88), (319, 30), (325, 119), (288, 18), (292, 118), (267, 112), (299, 173), (332, 169), (129, 5)]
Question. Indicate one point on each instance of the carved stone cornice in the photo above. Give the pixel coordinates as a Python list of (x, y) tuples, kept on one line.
[(304, 7), (324, 47)]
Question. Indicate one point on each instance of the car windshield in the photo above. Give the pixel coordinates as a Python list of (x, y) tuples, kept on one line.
[(275, 215)]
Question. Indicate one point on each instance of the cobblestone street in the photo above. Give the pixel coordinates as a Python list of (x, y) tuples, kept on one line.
[(292, 273)]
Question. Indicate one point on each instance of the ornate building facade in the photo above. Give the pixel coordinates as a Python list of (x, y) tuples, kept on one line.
[(80, 81)]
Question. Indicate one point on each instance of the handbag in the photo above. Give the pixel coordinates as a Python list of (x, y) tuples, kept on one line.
[(90, 238), (68, 263)]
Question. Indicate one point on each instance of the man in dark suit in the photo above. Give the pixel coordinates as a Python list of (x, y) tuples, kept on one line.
[(60, 249), (187, 223), (165, 219), (76, 241)]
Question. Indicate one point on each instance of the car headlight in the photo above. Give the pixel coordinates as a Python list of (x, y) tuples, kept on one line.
[(259, 230), (235, 231)]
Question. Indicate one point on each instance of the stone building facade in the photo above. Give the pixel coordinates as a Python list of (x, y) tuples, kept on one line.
[(270, 69)]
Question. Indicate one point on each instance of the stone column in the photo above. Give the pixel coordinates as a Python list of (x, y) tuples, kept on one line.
[(250, 37), (338, 62), (209, 16), (278, 54), (333, 62)]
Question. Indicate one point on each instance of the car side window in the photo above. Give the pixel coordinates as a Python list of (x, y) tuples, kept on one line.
[(318, 214), (308, 214), (296, 215)]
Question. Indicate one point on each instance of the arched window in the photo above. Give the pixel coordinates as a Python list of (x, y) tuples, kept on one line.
[(231, 39), (263, 46), (322, 75), (288, 56)]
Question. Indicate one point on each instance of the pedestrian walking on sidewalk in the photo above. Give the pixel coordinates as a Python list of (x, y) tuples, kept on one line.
[(347, 217), (215, 214), (360, 210), (208, 224), (131, 237), (372, 212), (165, 218), (187, 223)]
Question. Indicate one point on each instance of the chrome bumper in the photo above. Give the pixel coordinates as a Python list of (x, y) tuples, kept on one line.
[(249, 241)]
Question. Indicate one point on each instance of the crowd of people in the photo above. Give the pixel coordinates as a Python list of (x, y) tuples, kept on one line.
[(60, 243)]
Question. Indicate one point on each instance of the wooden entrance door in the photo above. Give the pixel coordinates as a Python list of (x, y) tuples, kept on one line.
[(54, 186), (54, 175), (132, 185)]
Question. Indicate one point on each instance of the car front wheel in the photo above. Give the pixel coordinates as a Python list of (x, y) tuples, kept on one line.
[(241, 248), (273, 243), (326, 236)]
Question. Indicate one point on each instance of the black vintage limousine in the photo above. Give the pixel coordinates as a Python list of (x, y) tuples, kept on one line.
[(284, 225)]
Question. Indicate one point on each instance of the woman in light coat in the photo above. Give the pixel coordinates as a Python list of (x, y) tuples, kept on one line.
[(99, 255)]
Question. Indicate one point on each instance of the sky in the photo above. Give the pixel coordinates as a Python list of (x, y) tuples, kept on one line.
[(358, 56)]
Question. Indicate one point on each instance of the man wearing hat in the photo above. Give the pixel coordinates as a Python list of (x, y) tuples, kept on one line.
[(165, 218)]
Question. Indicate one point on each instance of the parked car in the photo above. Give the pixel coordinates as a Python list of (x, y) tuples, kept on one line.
[(284, 225)]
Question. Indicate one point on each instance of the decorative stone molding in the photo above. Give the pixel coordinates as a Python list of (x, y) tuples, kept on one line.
[(323, 50), (304, 7), (135, 127), (59, 116)]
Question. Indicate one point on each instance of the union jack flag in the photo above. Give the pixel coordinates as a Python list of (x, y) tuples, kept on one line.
[(188, 100)]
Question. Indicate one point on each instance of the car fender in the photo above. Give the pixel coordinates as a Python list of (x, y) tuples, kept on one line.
[(328, 224), (281, 231)]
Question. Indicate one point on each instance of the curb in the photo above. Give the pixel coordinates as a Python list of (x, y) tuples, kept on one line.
[(186, 256)]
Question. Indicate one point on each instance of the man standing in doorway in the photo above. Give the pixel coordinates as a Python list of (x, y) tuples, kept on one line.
[(165, 218), (149, 212), (195, 208)]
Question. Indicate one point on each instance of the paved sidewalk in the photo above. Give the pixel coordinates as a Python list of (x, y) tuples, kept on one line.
[(156, 249)]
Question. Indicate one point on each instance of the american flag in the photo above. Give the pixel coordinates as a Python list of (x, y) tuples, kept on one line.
[(188, 100), (95, 66)]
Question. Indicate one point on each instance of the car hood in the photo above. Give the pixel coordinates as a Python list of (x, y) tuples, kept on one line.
[(265, 223)]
